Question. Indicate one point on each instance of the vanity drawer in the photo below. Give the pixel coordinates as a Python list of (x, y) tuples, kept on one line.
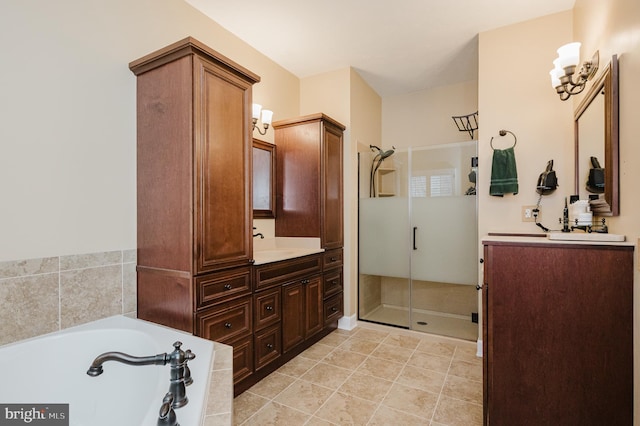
[(225, 322), (332, 259), (270, 274), (267, 346), (214, 288), (333, 309), (332, 283), (267, 308), (242, 358)]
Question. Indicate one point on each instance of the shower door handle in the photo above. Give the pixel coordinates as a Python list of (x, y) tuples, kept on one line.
[(415, 228)]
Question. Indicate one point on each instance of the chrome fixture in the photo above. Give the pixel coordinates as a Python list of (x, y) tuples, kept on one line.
[(180, 375), (380, 156), (564, 67), (467, 123), (267, 116)]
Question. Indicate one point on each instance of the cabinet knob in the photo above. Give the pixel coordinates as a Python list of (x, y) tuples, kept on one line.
[(304, 282), (333, 259), (269, 308), (227, 286), (334, 309), (269, 345), (227, 325), (334, 282)]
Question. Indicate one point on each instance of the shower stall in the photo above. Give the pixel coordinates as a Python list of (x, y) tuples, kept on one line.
[(418, 247)]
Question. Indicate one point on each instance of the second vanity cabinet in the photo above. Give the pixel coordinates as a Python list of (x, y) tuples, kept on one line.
[(557, 332), (288, 315)]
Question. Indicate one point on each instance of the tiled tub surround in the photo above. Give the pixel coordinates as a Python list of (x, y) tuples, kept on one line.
[(54, 293)]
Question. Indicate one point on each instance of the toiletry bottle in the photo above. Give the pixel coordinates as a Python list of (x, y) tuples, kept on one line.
[(565, 217)]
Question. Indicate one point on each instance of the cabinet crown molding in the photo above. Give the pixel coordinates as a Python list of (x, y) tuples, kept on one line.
[(185, 47)]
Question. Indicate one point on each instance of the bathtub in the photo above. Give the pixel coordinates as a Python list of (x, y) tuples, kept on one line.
[(53, 369)]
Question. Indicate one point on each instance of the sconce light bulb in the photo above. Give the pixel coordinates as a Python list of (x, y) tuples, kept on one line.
[(267, 116), (255, 111)]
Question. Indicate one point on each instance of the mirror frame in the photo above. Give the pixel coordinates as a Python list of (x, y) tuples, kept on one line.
[(269, 213), (608, 81)]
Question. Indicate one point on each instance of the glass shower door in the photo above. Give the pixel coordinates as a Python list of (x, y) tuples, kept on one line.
[(444, 246), (418, 240)]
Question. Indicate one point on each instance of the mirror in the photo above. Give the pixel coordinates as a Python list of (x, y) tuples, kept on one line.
[(596, 137), (264, 179)]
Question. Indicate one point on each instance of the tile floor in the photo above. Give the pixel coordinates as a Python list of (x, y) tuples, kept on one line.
[(372, 375)]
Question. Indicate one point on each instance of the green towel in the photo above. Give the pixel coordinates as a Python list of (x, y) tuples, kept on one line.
[(504, 176)]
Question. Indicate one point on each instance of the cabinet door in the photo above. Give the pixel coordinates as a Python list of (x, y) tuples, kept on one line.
[(314, 315), (559, 334), (292, 315), (222, 146), (332, 211)]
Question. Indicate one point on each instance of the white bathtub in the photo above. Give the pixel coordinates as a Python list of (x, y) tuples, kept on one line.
[(53, 369)]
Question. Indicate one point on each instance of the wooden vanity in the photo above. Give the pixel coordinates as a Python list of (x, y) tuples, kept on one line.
[(557, 332), (196, 267)]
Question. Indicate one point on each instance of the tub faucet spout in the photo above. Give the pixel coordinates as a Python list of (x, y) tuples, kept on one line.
[(96, 365), (180, 375)]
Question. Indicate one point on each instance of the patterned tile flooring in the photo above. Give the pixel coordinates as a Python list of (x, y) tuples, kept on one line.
[(372, 375)]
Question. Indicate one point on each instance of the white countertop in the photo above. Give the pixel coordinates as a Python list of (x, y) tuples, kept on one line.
[(269, 250), (543, 239)]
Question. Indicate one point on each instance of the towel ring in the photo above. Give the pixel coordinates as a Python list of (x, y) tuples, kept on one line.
[(503, 133)]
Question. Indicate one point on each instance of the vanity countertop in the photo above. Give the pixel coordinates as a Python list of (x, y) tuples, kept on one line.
[(282, 248), (543, 239)]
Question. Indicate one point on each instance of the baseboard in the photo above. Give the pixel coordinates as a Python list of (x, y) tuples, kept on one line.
[(479, 348), (348, 323)]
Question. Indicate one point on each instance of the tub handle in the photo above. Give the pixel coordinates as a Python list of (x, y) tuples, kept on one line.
[(167, 416)]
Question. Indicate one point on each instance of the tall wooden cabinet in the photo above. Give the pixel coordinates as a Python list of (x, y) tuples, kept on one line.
[(193, 190), (309, 196), (557, 333)]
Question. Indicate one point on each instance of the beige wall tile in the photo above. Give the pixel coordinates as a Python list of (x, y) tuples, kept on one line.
[(31, 307), (90, 260), (19, 268), (90, 294), (129, 288)]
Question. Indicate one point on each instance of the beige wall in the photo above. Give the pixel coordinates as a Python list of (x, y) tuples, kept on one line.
[(68, 152), (346, 97), (424, 117), (515, 93), (613, 27)]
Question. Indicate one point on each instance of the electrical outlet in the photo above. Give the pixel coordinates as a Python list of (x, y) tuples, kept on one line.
[(528, 214)]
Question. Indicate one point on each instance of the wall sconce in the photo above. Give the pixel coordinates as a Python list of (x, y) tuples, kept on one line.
[(267, 116), (565, 67)]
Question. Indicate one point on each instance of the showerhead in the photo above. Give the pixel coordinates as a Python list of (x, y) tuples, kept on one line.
[(386, 154)]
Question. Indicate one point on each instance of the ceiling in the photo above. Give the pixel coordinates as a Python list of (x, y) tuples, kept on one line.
[(397, 47)]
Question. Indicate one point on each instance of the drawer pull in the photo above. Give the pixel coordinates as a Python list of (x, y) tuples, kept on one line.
[(334, 309), (269, 308), (269, 346), (227, 286), (334, 282), (304, 281), (333, 259), (227, 325)]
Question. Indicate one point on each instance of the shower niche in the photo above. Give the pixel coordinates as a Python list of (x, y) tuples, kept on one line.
[(418, 247)]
